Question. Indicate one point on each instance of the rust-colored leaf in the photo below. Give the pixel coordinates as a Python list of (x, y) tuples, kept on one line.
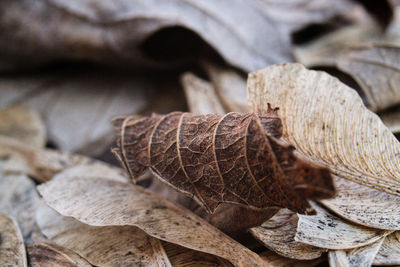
[(233, 158)]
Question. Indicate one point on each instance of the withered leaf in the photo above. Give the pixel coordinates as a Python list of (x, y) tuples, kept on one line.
[(12, 249), (234, 158), (275, 260), (389, 252), (102, 202), (51, 255)]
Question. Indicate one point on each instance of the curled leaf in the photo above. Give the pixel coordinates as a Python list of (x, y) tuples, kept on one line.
[(275, 260), (389, 252), (101, 202), (12, 249), (328, 124), (235, 158), (278, 235), (326, 230)]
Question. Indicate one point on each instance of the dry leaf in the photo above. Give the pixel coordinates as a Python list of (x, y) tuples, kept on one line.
[(376, 68), (357, 257), (200, 95), (328, 124), (23, 123), (326, 230), (100, 202), (12, 249), (278, 235), (389, 253), (131, 32), (230, 87), (391, 118), (102, 246), (51, 255), (233, 158), (365, 206), (275, 260)]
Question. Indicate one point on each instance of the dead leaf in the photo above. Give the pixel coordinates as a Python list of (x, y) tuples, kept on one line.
[(357, 257), (23, 123), (100, 202), (278, 235), (102, 246), (275, 260), (130, 32), (365, 206), (200, 95), (376, 68), (214, 159), (51, 255), (389, 253), (391, 118), (328, 124), (326, 230), (12, 249)]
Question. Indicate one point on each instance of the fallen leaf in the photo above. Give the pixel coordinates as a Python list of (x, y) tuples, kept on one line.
[(328, 124), (23, 123), (51, 255), (364, 205), (389, 253), (235, 158), (376, 68), (131, 32), (100, 202), (12, 249), (391, 118), (357, 257), (275, 260), (278, 235), (102, 246), (326, 230), (200, 95)]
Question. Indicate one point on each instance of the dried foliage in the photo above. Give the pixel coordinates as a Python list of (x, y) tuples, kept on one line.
[(12, 249)]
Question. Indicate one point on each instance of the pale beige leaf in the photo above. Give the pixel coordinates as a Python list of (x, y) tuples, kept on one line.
[(275, 260), (389, 253), (326, 230), (278, 235), (200, 95), (52, 255), (101, 202), (12, 249), (23, 123), (230, 87), (357, 257), (94, 170), (376, 68), (328, 124), (102, 246), (325, 51), (364, 205)]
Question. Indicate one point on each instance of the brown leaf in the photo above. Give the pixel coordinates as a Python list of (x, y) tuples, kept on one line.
[(215, 159), (278, 235), (362, 256), (389, 252), (376, 68), (23, 123), (326, 230), (275, 260), (328, 124), (102, 246), (51, 255), (12, 249), (100, 202)]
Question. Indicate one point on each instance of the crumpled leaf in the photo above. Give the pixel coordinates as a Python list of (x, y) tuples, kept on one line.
[(200, 95), (357, 257), (100, 202), (389, 253), (275, 260), (364, 205), (214, 159), (12, 249), (377, 70), (23, 123), (51, 255), (326, 230), (102, 246), (128, 32), (328, 124), (278, 235)]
